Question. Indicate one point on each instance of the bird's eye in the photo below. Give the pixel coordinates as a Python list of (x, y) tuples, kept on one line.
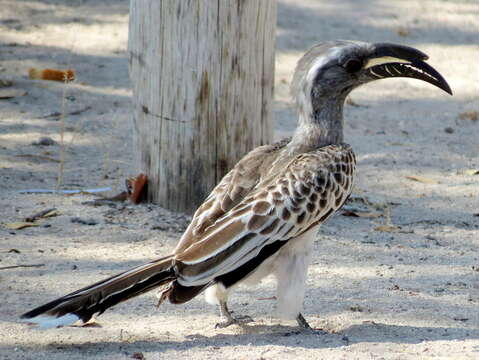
[(353, 65)]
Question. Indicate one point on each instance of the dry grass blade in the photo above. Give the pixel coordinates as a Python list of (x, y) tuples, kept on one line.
[(422, 179), (21, 266), (387, 228), (19, 225)]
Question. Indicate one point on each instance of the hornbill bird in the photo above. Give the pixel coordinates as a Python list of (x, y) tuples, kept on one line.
[(263, 216)]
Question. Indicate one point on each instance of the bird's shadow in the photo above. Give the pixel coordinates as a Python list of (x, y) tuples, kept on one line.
[(265, 335)]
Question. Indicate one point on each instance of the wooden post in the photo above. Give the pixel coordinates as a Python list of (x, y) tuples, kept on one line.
[(202, 74)]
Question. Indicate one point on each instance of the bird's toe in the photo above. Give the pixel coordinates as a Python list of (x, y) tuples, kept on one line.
[(238, 320)]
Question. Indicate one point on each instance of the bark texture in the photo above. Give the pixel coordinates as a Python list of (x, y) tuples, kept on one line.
[(203, 75)]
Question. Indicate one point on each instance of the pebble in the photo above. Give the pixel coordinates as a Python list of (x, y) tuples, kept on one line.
[(45, 141), (83, 221)]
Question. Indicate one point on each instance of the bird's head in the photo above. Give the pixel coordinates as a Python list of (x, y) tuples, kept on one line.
[(332, 69)]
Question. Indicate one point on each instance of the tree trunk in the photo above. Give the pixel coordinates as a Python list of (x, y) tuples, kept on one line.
[(202, 74)]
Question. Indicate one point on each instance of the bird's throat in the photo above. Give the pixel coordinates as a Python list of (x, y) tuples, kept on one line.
[(319, 125)]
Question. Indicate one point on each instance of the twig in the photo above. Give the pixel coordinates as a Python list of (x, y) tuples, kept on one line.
[(37, 157), (61, 168), (38, 215), (21, 266), (78, 112), (57, 114)]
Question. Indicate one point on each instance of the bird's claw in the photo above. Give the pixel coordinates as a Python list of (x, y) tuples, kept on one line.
[(239, 320), (306, 328)]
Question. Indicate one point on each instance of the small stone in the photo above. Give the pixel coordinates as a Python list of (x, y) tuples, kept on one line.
[(449, 130), (161, 227), (45, 141), (356, 308), (83, 221)]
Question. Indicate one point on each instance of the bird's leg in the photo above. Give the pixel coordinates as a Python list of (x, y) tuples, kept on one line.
[(228, 319), (163, 295), (302, 322)]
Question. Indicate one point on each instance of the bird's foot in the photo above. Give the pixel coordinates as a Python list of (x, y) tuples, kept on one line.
[(302, 322), (230, 320), (305, 327), (163, 295)]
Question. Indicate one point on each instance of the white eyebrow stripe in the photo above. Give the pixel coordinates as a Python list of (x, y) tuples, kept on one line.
[(384, 60)]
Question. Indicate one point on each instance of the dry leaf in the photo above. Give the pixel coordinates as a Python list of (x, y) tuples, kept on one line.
[(402, 31), (52, 74), (361, 214), (472, 172), (386, 228), (422, 179), (19, 225), (5, 83), (139, 188), (51, 213), (469, 115)]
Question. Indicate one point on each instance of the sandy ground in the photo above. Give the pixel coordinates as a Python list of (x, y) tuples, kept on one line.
[(411, 293)]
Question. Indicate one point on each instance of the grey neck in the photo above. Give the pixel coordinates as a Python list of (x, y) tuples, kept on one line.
[(320, 125)]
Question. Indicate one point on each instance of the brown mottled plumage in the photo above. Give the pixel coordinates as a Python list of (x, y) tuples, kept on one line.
[(263, 216)]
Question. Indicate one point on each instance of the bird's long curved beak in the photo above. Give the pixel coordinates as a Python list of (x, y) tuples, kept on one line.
[(391, 60)]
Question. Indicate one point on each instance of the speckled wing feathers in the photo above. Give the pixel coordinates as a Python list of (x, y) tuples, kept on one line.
[(291, 198), (231, 190)]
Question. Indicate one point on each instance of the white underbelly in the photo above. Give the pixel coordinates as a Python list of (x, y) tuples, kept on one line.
[(299, 245)]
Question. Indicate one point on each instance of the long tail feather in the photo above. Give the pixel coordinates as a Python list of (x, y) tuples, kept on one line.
[(95, 299)]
